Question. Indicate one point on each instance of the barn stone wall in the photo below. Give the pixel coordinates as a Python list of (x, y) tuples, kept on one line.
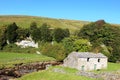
[(91, 63)]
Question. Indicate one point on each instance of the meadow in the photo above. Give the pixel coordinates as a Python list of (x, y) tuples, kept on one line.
[(9, 59), (65, 73), (25, 21), (112, 67)]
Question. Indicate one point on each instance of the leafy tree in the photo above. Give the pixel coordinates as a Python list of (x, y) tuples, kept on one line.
[(56, 51), (35, 31), (45, 33), (59, 34), (82, 45), (2, 37), (33, 25), (36, 34), (11, 33), (74, 43), (68, 43), (66, 33), (102, 33), (22, 33)]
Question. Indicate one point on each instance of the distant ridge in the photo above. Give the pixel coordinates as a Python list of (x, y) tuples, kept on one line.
[(25, 20)]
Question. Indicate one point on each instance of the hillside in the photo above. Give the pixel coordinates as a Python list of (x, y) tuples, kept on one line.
[(24, 21)]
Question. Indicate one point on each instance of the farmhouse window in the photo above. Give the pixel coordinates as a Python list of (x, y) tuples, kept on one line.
[(98, 60), (88, 59)]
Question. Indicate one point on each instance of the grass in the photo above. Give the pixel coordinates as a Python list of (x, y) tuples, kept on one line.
[(46, 75), (25, 21), (111, 67), (51, 75), (70, 74), (9, 59)]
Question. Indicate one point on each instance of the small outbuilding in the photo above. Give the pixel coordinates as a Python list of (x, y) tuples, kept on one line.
[(27, 43), (86, 61)]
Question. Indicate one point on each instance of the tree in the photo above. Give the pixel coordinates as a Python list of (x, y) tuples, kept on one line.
[(66, 33), (74, 43), (33, 25), (56, 51), (45, 33), (11, 33), (81, 45), (68, 43), (22, 33), (36, 34), (59, 34), (2, 37), (102, 33)]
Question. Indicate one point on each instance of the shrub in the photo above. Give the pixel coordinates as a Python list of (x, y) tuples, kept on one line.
[(82, 45), (56, 51), (59, 34), (74, 43), (17, 49), (102, 33), (68, 43), (11, 33)]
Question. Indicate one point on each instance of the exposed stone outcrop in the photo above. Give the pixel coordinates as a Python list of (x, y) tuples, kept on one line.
[(27, 43), (21, 69)]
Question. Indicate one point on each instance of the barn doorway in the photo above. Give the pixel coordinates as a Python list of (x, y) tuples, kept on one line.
[(95, 66), (82, 67)]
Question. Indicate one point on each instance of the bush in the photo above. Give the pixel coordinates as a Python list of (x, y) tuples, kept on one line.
[(11, 33), (82, 45), (59, 34), (56, 51), (74, 43), (17, 49), (68, 43), (102, 33)]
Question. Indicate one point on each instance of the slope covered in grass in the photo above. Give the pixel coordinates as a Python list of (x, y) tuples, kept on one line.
[(25, 21), (9, 59), (113, 66), (62, 73), (65, 73)]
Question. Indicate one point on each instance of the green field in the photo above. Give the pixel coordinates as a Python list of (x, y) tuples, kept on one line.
[(9, 59), (25, 21), (69, 74), (64, 73), (111, 67)]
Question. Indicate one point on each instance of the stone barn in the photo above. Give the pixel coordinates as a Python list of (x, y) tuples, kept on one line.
[(86, 61)]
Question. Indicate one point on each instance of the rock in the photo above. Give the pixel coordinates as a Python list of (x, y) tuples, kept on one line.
[(21, 69), (17, 74), (38, 52), (59, 70)]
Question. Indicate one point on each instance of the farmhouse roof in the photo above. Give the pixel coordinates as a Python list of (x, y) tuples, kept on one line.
[(88, 55)]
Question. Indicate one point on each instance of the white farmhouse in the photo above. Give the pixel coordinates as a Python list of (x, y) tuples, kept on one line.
[(86, 61)]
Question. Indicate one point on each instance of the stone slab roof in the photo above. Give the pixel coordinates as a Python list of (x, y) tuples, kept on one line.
[(88, 55)]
